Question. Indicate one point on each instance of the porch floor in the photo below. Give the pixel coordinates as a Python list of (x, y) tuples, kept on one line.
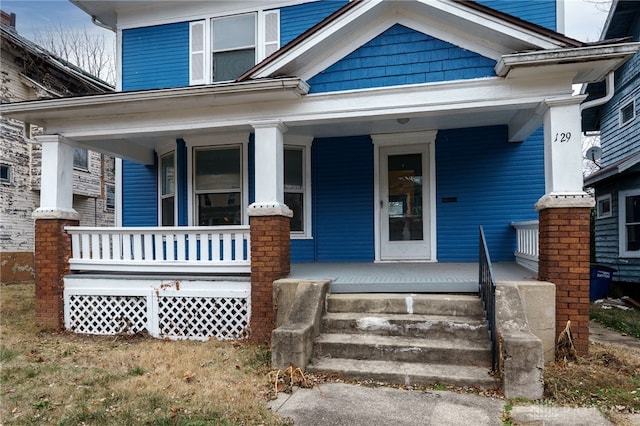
[(406, 277)]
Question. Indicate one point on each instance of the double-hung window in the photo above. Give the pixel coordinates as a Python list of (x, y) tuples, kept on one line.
[(297, 185), (218, 185), (80, 158), (629, 223), (223, 48), (167, 189)]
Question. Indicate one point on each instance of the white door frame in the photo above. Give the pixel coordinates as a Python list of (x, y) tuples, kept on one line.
[(401, 139)]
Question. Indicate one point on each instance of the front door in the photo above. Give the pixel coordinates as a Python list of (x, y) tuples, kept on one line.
[(404, 203)]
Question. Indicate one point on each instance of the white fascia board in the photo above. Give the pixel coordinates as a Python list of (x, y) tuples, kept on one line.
[(431, 99), (44, 111), (570, 57)]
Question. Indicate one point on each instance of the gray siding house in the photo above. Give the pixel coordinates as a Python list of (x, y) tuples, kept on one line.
[(617, 183)]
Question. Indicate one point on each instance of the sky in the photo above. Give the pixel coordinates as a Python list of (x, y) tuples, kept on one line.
[(584, 18)]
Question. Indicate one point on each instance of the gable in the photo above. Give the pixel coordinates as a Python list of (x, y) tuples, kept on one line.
[(400, 56)]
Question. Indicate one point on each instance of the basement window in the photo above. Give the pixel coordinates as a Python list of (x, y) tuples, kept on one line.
[(627, 113), (604, 206)]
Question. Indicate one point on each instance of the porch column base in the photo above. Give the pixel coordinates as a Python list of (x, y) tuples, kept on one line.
[(564, 260), (52, 253), (270, 261)]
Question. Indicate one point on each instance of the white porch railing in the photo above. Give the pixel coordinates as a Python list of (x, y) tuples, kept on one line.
[(527, 244), (172, 250)]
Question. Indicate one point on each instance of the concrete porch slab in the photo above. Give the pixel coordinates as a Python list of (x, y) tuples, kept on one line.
[(406, 277)]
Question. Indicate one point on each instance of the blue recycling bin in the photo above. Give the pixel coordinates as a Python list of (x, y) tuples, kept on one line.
[(600, 281)]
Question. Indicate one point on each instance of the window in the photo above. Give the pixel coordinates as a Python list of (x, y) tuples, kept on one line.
[(5, 173), (110, 196), (604, 206), (167, 189), (80, 158), (218, 185), (294, 186), (627, 113), (233, 46), (223, 48), (297, 184), (630, 223)]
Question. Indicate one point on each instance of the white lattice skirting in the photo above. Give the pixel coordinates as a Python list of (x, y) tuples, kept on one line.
[(170, 309)]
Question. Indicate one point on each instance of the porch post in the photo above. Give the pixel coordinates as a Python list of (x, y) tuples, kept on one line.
[(564, 213), (52, 243), (270, 221)]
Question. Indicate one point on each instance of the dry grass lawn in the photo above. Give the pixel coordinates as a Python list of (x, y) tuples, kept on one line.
[(67, 379)]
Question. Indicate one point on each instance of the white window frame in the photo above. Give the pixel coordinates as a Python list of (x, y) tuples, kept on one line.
[(217, 141), (175, 187), (632, 103), (622, 217), (304, 143), (263, 42), (599, 213), (9, 179)]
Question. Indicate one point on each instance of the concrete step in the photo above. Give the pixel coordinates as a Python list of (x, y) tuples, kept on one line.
[(404, 349), (420, 304), (410, 325), (403, 373)]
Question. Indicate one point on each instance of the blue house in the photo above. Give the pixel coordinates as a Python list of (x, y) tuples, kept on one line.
[(260, 140), (617, 183)]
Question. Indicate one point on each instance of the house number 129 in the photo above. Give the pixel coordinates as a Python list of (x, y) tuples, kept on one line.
[(562, 137)]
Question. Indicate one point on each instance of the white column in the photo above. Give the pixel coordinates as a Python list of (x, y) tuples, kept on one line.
[(269, 169), (56, 179), (563, 153)]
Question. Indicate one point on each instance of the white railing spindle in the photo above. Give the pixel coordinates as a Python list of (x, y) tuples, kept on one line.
[(526, 253), (161, 249)]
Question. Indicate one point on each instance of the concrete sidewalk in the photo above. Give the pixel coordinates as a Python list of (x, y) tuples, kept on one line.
[(345, 404)]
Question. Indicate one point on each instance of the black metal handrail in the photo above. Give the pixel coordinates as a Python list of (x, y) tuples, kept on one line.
[(488, 296)]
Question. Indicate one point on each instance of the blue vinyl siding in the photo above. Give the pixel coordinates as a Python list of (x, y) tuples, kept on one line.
[(139, 194), (155, 57), (402, 56), (343, 201), (294, 20), (541, 12), (495, 183)]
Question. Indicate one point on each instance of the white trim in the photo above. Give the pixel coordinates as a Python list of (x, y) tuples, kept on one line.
[(599, 215), (175, 186), (560, 16), (427, 138), (204, 52), (119, 61), (631, 102), (622, 219), (305, 142)]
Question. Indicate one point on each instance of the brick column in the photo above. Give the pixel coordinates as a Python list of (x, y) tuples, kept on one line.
[(52, 253), (270, 261), (564, 261)]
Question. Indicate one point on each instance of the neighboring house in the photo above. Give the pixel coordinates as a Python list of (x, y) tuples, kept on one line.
[(31, 73), (617, 183), (258, 138)]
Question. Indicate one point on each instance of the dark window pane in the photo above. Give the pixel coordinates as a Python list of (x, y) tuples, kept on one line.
[(167, 211), (633, 209), (81, 158), (218, 169), (230, 65), (405, 197), (219, 209), (168, 175), (633, 237), (295, 202), (293, 169)]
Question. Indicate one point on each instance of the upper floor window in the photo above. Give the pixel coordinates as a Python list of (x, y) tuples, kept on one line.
[(223, 48), (627, 113), (629, 223)]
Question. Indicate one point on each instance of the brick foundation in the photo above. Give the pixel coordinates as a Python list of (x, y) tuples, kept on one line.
[(52, 253), (270, 261), (564, 261)]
